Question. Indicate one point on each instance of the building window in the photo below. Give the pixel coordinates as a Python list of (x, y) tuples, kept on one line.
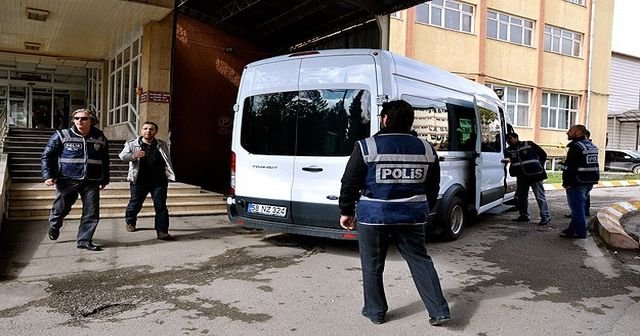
[(397, 15), (562, 41), (516, 102), (124, 73), (559, 110), (509, 28), (577, 2), (446, 13), (94, 90)]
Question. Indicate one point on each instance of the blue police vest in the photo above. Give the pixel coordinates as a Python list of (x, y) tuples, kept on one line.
[(524, 160), (81, 158), (394, 193), (588, 168)]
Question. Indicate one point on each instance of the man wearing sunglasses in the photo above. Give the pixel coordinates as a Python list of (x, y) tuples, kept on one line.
[(76, 162)]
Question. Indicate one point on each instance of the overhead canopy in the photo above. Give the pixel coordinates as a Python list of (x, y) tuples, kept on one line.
[(629, 116), (280, 24)]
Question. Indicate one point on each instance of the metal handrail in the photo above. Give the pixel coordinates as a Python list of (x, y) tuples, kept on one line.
[(4, 128)]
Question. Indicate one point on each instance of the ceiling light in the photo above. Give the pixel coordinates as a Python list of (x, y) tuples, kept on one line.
[(32, 46), (37, 14)]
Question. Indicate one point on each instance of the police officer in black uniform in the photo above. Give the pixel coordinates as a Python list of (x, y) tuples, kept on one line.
[(581, 172), (394, 177), (527, 165)]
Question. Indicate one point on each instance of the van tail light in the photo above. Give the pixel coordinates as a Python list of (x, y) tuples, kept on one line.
[(232, 188)]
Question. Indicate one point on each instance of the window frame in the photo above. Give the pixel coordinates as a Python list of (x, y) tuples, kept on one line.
[(551, 101), (443, 20), (511, 22), (555, 37), (123, 103), (515, 104)]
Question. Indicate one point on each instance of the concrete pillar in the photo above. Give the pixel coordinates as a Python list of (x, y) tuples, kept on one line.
[(155, 75)]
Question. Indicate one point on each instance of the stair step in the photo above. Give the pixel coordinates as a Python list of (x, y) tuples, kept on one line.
[(115, 210), (20, 203), (142, 213)]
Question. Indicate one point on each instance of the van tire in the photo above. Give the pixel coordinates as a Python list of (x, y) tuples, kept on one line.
[(453, 219)]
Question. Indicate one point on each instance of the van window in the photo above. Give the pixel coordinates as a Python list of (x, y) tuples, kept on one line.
[(306, 123), (448, 126), (490, 127)]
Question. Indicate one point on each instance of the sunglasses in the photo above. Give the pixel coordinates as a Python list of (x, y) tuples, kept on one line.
[(81, 118)]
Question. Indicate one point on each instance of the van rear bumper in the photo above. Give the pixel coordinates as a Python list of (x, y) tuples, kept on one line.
[(292, 228)]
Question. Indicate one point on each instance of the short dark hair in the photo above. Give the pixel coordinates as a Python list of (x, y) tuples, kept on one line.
[(512, 135), (399, 114), (151, 123), (581, 129)]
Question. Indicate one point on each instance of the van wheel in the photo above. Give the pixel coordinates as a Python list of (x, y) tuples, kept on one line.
[(454, 219)]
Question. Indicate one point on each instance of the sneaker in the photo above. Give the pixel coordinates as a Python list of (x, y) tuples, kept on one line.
[(544, 221), (131, 227), (439, 320), (165, 236), (521, 219)]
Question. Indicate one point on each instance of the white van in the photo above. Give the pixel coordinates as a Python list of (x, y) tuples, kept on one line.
[(298, 116)]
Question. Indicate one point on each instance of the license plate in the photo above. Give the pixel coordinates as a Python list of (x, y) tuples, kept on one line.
[(269, 210)]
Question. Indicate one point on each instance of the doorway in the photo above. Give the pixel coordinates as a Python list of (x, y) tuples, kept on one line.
[(37, 107)]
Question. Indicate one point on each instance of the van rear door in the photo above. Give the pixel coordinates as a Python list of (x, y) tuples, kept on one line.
[(265, 145), (337, 97)]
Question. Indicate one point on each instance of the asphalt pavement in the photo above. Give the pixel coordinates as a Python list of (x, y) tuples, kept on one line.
[(501, 278)]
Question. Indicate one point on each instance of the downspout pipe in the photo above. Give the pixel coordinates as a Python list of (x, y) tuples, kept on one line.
[(590, 66)]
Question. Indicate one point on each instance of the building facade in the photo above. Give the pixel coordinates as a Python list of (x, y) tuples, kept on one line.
[(551, 57)]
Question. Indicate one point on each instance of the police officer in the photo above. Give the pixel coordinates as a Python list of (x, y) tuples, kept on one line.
[(527, 165), (76, 161), (394, 177), (581, 172)]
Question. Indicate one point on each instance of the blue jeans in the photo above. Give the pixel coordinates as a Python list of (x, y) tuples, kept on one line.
[(522, 196), (577, 198), (66, 195), (373, 241), (159, 196)]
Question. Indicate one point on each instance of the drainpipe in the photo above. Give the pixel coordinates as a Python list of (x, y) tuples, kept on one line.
[(589, 69)]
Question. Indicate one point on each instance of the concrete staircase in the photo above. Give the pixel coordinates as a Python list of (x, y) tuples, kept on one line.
[(30, 199)]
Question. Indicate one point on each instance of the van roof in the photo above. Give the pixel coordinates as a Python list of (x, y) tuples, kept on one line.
[(401, 66)]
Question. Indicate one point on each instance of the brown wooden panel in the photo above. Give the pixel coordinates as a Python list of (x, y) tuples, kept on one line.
[(208, 64)]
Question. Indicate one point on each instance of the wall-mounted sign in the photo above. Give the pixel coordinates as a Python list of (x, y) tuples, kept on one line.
[(155, 97)]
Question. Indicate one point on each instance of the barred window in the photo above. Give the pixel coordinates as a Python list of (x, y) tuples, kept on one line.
[(446, 13), (562, 41), (559, 110), (124, 74), (509, 28)]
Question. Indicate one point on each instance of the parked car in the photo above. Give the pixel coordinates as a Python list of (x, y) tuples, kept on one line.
[(622, 160)]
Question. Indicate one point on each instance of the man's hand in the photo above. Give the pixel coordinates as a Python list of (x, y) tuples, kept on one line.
[(347, 222), (102, 186), (50, 182), (138, 154)]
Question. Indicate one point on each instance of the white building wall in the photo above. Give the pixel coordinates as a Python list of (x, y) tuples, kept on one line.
[(624, 83), (624, 95)]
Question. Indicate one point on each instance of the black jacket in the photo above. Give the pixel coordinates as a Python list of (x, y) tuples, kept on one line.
[(527, 161), (581, 165), (69, 155)]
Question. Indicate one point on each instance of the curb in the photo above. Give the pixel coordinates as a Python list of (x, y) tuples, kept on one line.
[(610, 228), (601, 184)]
